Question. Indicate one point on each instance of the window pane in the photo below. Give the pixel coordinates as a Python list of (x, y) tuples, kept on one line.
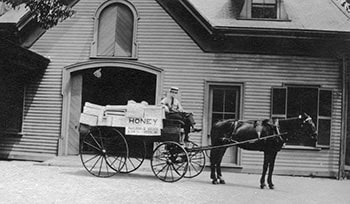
[(264, 12), (302, 100), (264, 9), (218, 98), (224, 102), (324, 132), (229, 116), (279, 101), (217, 117), (325, 108), (124, 31), (230, 101)]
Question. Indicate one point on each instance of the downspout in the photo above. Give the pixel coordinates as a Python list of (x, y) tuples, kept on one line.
[(345, 101)]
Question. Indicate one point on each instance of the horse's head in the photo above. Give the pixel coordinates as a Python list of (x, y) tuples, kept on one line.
[(301, 130), (308, 126)]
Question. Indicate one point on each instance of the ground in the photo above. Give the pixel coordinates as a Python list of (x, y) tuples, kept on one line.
[(62, 182)]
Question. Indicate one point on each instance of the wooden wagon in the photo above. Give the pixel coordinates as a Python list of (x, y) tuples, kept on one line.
[(113, 141)]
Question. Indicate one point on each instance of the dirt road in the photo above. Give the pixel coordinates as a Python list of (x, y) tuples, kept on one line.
[(30, 182)]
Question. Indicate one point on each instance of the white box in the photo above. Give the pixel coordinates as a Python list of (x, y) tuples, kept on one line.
[(93, 109), (119, 121), (135, 110), (104, 121), (88, 119), (154, 112)]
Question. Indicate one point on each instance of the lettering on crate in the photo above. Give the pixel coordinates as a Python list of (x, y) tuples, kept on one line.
[(146, 121)]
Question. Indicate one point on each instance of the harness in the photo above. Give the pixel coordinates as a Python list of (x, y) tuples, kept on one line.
[(257, 124)]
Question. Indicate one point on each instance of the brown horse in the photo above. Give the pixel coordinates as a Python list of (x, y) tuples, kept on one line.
[(232, 131)]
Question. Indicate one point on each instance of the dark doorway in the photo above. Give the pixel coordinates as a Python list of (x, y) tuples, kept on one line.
[(116, 86)]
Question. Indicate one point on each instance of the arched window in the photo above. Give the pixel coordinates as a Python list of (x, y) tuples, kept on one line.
[(115, 30)]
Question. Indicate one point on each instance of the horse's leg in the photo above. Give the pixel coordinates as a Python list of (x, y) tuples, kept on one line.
[(219, 173), (272, 159), (265, 166), (213, 165), (213, 177)]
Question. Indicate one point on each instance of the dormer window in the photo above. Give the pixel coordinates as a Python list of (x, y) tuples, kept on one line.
[(115, 26), (263, 10)]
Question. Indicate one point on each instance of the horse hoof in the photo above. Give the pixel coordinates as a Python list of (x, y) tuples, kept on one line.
[(271, 186), (222, 181), (215, 182), (262, 186)]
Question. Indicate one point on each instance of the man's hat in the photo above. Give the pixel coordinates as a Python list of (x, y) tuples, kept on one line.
[(174, 89)]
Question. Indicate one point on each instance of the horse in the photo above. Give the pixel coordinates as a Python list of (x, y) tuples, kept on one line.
[(237, 131)]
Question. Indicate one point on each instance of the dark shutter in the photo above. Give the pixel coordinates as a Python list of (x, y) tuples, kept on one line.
[(324, 117), (278, 105)]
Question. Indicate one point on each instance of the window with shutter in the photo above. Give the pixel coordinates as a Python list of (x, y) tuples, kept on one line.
[(290, 101)]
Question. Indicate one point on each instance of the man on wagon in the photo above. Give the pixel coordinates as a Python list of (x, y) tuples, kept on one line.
[(174, 110)]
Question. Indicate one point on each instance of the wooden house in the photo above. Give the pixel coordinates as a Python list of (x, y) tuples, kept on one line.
[(243, 59)]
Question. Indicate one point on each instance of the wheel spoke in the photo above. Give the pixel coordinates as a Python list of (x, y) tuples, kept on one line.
[(91, 145), (95, 141), (93, 166), (91, 159), (161, 169), (166, 172)]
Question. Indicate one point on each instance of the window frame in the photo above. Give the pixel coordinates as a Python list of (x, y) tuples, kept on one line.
[(94, 43), (319, 117)]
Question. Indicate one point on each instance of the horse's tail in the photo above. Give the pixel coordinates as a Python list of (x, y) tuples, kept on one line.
[(213, 133)]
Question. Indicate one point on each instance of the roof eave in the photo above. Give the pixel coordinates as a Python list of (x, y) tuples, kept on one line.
[(22, 58)]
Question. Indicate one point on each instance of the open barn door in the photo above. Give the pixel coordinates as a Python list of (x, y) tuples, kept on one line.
[(106, 86)]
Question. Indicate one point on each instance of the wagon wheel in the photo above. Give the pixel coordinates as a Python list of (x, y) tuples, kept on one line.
[(196, 161), (169, 162), (137, 152), (103, 151)]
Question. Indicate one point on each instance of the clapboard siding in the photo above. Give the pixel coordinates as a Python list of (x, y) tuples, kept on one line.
[(162, 43)]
